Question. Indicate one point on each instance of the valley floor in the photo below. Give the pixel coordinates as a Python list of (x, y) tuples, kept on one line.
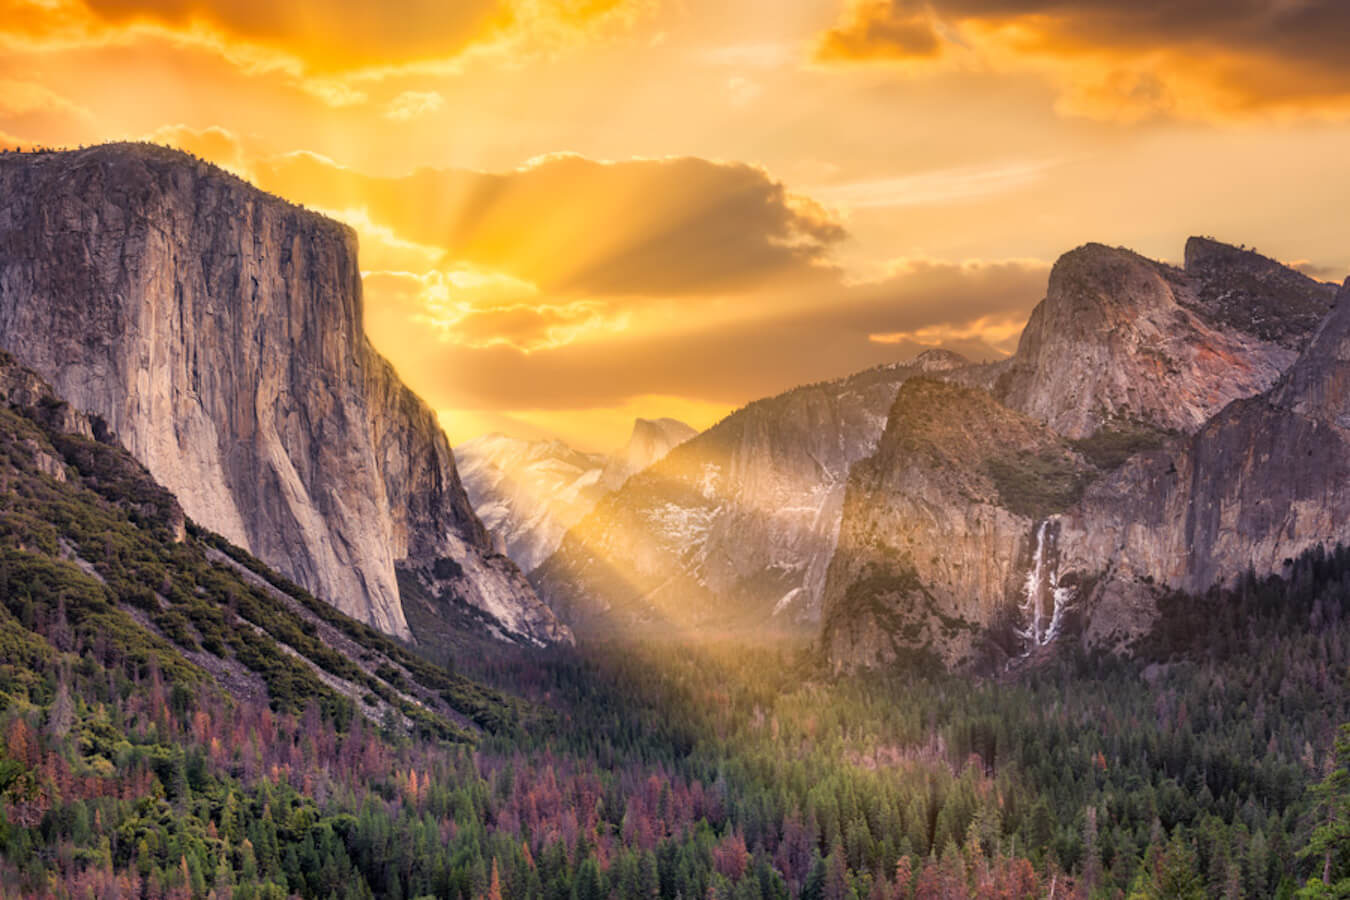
[(721, 770)]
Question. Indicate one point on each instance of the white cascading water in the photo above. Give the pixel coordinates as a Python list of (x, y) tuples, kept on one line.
[(1042, 584)]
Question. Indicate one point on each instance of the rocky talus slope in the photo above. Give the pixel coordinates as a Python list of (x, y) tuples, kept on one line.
[(1159, 429), (735, 527), (217, 332)]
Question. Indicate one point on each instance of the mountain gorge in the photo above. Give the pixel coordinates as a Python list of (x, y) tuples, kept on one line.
[(217, 332), (735, 527), (197, 443), (528, 493)]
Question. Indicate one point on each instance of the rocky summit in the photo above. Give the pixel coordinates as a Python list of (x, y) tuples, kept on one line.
[(1159, 430), (1122, 341), (217, 332)]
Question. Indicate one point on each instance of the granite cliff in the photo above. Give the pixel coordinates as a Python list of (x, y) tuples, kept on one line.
[(217, 332), (941, 527), (1122, 341), (1159, 429)]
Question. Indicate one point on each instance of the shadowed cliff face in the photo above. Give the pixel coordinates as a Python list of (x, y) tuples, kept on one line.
[(941, 528), (736, 527), (218, 331), (1159, 430), (1261, 482)]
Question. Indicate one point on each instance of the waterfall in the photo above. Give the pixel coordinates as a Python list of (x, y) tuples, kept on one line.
[(1044, 599)]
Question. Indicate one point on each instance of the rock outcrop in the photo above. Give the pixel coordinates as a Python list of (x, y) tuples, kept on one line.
[(943, 529), (528, 493), (1159, 430), (1121, 341), (736, 527), (650, 442), (217, 331)]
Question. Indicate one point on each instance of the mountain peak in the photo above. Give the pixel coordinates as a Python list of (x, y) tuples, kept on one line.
[(649, 442), (1204, 253), (1121, 340), (1238, 288), (939, 360)]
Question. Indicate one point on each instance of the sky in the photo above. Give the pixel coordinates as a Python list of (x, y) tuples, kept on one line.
[(575, 212)]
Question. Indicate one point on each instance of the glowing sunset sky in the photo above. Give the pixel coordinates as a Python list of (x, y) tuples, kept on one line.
[(579, 211)]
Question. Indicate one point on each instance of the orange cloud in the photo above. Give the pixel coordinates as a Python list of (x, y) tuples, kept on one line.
[(823, 332), (1179, 58), (569, 283), (327, 46), (411, 104), (881, 30), (579, 227)]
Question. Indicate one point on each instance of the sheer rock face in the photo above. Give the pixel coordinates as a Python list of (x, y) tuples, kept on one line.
[(217, 330), (971, 526), (940, 526), (528, 493), (1120, 340), (650, 442), (736, 527), (1260, 483)]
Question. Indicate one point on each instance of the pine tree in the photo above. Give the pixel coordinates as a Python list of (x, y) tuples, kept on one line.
[(1330, 842)]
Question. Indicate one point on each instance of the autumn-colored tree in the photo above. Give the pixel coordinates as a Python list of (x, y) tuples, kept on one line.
[(494, 883), (730, 856)]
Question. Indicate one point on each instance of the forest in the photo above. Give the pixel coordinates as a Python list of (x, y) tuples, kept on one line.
[(177, 720), (1203, 768)]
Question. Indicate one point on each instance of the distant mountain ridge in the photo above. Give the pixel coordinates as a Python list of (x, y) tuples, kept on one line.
[(528, 493), (217, 331)]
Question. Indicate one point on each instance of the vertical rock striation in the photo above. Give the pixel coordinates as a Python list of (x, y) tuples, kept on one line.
[(217, 330)]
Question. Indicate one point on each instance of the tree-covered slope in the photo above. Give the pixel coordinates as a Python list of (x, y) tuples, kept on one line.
[(98, 564)]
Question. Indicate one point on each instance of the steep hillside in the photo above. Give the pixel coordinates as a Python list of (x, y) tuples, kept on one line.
[(528, 493), (97, 559), (217, 331), (735, 527)]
